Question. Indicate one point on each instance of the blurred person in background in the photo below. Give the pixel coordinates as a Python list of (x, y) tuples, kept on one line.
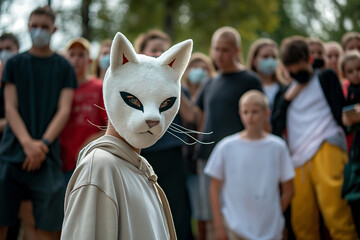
[(102, 62)]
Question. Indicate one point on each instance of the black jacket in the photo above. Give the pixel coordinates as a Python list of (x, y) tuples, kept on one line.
[(334, 96)]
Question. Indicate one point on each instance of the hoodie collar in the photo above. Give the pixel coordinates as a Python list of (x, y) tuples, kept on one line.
[(122, 150)]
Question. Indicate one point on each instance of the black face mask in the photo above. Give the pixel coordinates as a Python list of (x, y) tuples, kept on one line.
[(302, 76), (318, 63)]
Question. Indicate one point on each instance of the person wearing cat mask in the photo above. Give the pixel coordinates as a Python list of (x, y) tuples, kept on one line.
[(113, 193)]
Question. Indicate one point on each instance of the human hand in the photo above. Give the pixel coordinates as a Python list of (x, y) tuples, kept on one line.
[(220, 233), (357, 108), (35, 151), (351, 117), (294, 90)]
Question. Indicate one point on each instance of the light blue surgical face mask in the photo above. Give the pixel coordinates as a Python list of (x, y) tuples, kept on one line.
[(197, 75), (40, 37), (105, 62), (5, 55), (267, 66)]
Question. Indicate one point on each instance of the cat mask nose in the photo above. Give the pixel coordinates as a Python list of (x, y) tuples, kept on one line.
[(152, 123)]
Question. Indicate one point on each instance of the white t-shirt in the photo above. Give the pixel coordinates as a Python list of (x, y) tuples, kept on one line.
[(309, 122), (251, 172), (270, 92)]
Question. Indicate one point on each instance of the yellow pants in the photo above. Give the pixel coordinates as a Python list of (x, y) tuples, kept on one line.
[(318, 187)]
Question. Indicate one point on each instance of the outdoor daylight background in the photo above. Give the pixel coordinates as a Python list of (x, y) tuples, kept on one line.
[(181, 19)]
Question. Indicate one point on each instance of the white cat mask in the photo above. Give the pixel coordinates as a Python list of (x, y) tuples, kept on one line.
[(141, 93)]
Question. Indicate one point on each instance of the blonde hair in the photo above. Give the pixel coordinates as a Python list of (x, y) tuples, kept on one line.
[(253, 53), (314, 40), (334, 44), (257, 96), (198, 57), (95, 68), (349, 56), (347, 37)]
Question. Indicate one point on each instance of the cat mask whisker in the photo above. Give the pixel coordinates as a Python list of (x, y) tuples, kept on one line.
[(103, 128), (172, 128), (99, 107), (190, 130), (180, 138)]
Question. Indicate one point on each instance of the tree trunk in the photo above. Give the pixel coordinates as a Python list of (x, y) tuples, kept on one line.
[(170, 6), (85, 18)]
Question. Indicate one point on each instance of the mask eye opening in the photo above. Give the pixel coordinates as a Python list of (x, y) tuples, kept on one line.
[(167, 104), (132, 101)]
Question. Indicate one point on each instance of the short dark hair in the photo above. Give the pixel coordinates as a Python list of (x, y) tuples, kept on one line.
[(11, 37), (44, 10), (294, 50)]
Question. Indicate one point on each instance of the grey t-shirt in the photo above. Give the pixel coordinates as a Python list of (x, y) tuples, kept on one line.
[(219, 101)]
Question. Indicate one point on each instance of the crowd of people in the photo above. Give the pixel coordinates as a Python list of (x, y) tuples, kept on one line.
[(277, 153)]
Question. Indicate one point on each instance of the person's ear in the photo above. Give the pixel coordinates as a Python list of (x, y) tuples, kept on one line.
[(268, 112), (90, 61), (238, 52), (54, 30), (253, 62)]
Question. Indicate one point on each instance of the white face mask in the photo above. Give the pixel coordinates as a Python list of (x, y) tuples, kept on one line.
[(5, 55), (40, 37), (142, 93)]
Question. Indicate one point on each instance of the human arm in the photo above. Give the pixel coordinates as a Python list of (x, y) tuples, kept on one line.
[(191, 113), (35, 150), (351, 119), (288, 193), (2, 124), (61, 116), (333, 93), (215, 189), (188, 111), (90, 214), (293, 91), (53, 130)]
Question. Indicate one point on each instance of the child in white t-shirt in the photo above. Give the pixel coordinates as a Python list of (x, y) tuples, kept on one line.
[(246, 169)]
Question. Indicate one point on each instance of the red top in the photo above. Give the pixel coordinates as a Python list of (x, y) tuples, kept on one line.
[(345, 87), (78, 129)]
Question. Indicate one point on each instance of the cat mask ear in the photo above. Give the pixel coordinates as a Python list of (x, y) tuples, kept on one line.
[(177, 57), (121, 52)]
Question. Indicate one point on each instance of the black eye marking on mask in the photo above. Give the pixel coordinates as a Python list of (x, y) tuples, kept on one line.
[(132, 101), (167, 104)]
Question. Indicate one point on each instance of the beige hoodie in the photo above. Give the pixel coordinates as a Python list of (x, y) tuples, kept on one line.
[(113, 194)]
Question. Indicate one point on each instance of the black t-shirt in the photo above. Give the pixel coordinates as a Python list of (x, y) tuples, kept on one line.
[(219, 100), (39, 82)]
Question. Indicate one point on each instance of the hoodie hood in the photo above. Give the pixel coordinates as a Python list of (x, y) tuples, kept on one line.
[(123, 151)]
